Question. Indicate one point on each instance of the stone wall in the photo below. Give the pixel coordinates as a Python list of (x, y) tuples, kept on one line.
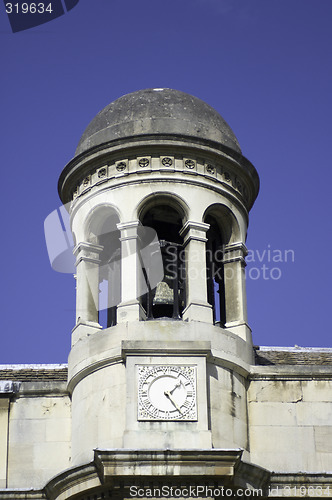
[(290, 418), (35, 419)]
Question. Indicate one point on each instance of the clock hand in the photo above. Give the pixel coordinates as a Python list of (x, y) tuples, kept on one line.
[(176, 385), (168, 395)]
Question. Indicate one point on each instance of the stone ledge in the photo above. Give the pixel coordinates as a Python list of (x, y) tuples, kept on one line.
[(164, 463), (300, 485), (174, 348), (117, 469), (18, 494), (290, 372)]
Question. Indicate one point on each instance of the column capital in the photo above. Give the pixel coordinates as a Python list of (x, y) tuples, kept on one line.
[(129, 230), (235, 252), (88, 252), (194, 231)]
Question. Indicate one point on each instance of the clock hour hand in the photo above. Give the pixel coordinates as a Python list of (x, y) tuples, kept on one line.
[(176, 385), (168, 394)]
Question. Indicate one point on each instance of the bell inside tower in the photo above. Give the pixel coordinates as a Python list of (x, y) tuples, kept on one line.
[(167, 299)]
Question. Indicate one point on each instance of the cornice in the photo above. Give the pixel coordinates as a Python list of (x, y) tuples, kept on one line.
[(97, 160)]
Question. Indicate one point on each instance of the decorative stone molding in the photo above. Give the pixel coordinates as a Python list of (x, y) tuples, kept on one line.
[(235, 252), (210, 169), (102, 172), (86, 181), (148, 165), (195, 464), (189, 163), (194, 231), (23, 495), (87, 252), (122, 165), (112, 471), (97, 479), (167, 161), (144, 161)]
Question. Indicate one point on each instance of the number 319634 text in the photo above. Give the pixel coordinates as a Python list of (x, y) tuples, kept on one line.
[(29, 8)]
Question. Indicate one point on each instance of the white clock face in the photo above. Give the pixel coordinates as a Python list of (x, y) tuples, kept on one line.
[(167, 392)]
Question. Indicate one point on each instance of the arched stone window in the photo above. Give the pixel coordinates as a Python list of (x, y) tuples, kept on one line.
[(167, 299), (215, 271), (103, 232), (223, 231), (109, 272)]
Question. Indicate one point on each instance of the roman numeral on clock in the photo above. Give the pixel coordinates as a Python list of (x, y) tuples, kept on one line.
[(154, 412)]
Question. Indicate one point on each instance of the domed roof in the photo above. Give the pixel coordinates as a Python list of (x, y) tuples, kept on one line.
[(157, 111)]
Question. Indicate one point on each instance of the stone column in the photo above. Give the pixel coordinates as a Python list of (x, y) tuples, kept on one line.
[(87, 285), (130, 308), (197, 307), (235, 290)]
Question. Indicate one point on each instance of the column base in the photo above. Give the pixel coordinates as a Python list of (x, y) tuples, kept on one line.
[(198, 311), (242, 330), (84, 329), (130, 311)]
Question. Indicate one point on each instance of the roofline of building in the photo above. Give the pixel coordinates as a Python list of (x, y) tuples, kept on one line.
[(59, 366)]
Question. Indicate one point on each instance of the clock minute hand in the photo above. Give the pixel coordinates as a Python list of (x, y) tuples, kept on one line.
[(168, 395)]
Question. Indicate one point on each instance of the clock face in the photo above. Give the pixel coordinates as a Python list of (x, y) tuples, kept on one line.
[(167, 392)]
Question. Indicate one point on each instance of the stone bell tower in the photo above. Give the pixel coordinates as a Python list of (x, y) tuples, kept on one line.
[(159, 196)]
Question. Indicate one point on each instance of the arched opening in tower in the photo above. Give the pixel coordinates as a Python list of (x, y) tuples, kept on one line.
[(167, 299), (109, 271), (215, 271)]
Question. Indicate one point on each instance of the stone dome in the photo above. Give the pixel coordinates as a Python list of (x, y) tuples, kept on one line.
[(157, 111)]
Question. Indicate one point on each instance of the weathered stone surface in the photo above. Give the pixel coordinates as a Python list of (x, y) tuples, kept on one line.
[(157, 111), (272, 413), (317, 390), (323, 439), (288, 391), (39, 427)]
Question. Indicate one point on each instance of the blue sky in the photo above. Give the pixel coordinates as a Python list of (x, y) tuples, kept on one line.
[(264, 65)]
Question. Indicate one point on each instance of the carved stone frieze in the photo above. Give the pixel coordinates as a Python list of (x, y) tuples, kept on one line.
[(189, 163), (210, 169), (144, 162), (217, 172), (87, 181), (167, 161), (121, 166), (102, 172)]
